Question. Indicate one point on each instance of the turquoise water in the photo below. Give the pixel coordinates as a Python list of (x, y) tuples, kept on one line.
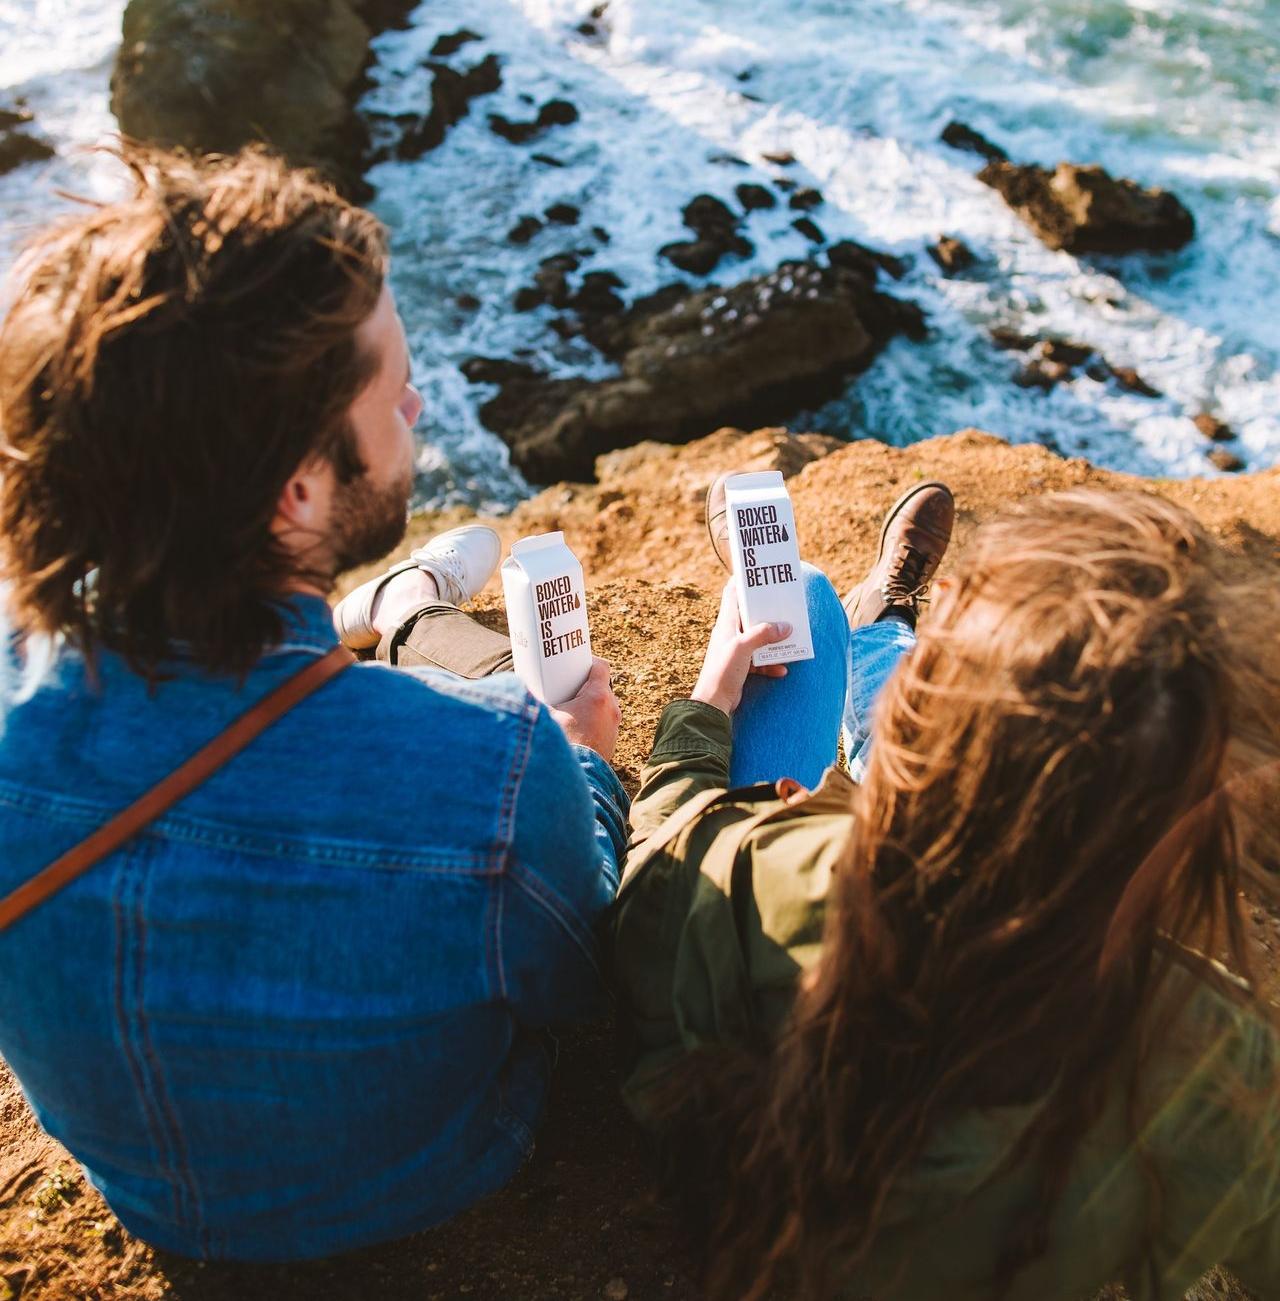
[(1181, 94)]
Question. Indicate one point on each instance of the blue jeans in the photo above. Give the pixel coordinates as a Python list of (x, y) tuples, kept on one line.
[(788, 727)]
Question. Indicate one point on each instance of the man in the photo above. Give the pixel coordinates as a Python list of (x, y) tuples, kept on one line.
[(304, 1009)]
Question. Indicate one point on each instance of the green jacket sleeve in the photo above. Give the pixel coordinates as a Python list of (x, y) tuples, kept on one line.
[(691, 752)]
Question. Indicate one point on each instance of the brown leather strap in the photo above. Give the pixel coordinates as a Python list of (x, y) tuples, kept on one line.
[(161, 797)]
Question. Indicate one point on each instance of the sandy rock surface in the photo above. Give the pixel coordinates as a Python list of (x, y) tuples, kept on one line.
[(580, 1220)]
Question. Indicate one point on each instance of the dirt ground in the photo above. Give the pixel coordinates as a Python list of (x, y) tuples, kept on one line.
[(580, 1221)]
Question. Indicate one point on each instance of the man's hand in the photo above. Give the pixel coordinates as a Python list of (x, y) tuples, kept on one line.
[(728, 659), (592, 717)]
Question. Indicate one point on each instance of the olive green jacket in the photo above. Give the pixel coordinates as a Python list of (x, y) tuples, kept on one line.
[(721, 909)]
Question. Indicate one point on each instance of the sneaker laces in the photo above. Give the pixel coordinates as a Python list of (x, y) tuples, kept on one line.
[(445, 564)]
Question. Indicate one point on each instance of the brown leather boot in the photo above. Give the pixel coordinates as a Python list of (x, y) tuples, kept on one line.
[(718, 519), (914, 538)]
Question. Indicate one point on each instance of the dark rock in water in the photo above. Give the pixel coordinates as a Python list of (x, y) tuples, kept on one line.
[(1129, 380), (597, 296), (727, 160), (699, 257), (960, 136), (951, 254), (1225, 460), (453, 42), (451, 96), (563, 214), (554, 285), (546, 160), (386, 15), (753, 197), (1085, 210), (497, 370), (601, 234), (607, 279), (16, 146), (810, 230), (853, 256), (1042, 375), (524, 230), (1066, 352), (561, 262), (1213, 428), (785, 183), (566, 327), (587, 29), (214, 77), (527, 298), (468, 302), (557, 112), (780, 158), (1012, 340), (708, 216), (692, 361), (806, 199)]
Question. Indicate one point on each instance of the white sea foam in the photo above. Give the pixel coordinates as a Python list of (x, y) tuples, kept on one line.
[(1182, 94)]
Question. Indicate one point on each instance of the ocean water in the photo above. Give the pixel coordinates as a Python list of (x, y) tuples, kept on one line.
[(1182, 93)]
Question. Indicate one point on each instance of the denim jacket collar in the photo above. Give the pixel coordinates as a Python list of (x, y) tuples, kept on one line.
[(308, 625)]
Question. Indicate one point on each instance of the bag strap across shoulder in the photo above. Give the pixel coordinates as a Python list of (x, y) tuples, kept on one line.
[(166, 793)]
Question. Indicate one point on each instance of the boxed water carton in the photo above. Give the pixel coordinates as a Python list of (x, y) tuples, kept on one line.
[(547, 617), (766, 562)]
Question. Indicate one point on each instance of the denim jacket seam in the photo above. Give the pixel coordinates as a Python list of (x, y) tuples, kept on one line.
[(557, 908), (189, 829), (505, 830)]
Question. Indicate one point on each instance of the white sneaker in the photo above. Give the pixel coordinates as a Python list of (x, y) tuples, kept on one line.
[(461, 562)]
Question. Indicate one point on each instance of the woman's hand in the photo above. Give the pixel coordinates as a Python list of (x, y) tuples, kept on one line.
[(728, 658)]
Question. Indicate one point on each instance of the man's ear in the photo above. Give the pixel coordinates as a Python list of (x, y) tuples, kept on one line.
[(302, 509)]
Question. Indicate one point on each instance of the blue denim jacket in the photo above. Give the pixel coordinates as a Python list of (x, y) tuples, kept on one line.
[(303, 1011)]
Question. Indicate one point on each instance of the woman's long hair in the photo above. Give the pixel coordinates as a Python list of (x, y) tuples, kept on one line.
[(1048, 813)]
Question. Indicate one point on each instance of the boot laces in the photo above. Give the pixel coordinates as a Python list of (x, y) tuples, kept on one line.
[(906, 582)]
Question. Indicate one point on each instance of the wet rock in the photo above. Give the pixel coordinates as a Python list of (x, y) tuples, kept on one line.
[(727, 160), (451, 95), (853, 256), (709, 217), (961, 136), (216, 77), (1129, 380), (524, 230), (497, 370), (1086, 210), (527, 298), (1042, 375), (563, 214), (587, 29), (810, 230), (951, 254), (468, 302), (1213, 428), (785, 184), (754, 197), (597, 295), (806, 199), (1224, 459), (553, 284), (555, 112), (561, 262), (17, 147), (1066, 352), (1012, 340), (699, 257), (601, 234), (693, 360), (453, 42), (780, 158), (546, 160)]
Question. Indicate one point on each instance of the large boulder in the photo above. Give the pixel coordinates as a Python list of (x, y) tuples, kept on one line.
[(1086, 210), (213, 75), (692, 361)]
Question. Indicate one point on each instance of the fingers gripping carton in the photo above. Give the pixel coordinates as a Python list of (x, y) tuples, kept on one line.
[(547, 617), (766, 562)]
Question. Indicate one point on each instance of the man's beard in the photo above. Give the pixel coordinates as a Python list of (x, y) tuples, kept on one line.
[(368, 521)]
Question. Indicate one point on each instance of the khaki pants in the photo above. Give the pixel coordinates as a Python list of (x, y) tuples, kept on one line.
[(440, 636)]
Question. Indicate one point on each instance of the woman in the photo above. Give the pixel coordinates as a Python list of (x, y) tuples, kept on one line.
[(950, 1032)]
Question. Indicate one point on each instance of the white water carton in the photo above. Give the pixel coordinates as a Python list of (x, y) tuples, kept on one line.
[(547, 617), (766, 562)]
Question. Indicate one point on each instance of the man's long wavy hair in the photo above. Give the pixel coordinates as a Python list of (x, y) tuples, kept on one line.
[(166, 363), (1053, 807)]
